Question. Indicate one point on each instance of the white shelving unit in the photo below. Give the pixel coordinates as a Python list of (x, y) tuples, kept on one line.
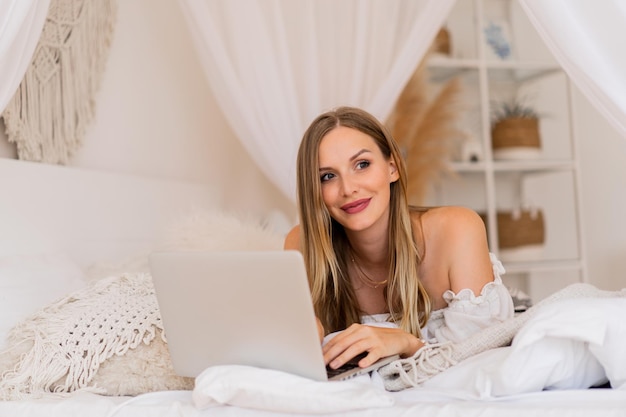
[(551, 180)]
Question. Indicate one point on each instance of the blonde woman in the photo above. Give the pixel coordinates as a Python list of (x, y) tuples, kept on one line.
[(384, 276)]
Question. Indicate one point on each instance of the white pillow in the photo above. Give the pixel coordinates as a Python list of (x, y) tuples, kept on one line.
[(280, 392), (29, 282)]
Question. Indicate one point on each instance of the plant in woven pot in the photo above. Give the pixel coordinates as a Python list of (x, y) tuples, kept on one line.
[(514, 131)]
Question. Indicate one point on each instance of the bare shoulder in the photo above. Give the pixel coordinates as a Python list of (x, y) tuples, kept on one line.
[(452, 219), (456, 237), (292, 240), (449, 229)]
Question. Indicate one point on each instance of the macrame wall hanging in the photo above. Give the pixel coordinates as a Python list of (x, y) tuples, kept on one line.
[(55, 102)]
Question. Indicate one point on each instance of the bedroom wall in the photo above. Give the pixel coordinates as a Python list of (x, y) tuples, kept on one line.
[(156, 116), (602, 153)]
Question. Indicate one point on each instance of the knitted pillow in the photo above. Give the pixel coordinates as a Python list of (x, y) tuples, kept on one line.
[(61, 348), (108, 337)]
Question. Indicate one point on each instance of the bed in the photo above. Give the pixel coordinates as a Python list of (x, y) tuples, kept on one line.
[(62, 228)]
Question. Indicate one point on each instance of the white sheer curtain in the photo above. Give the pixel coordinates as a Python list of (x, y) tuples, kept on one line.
[(586, 37), (21, 22), (276, 64)]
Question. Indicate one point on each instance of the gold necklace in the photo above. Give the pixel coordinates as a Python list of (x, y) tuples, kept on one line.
[(364, 278)]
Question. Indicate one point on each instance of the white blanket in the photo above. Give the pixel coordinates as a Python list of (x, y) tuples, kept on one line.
[(569, 344)]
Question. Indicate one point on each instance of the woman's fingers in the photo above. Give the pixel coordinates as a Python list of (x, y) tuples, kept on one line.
[(378, 342), (353, 341)]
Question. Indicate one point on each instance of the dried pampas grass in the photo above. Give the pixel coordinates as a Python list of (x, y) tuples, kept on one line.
[(426, 130)]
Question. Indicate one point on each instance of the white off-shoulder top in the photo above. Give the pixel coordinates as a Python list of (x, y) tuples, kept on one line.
[(466, 313)]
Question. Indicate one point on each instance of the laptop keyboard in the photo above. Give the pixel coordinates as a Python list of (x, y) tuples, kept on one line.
[(351, 364)]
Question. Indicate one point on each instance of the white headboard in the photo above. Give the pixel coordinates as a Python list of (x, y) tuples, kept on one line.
[(94, 216)]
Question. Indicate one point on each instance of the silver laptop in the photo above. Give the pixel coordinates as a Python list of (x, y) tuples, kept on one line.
[(241, 307)]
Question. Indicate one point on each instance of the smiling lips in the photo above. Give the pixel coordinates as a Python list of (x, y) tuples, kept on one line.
[(356, 206)]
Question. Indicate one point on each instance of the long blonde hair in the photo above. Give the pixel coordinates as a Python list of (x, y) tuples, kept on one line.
[(324, 243)]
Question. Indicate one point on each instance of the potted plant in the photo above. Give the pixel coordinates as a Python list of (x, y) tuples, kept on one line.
[(514, 130)]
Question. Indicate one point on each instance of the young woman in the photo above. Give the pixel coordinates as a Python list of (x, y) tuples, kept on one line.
[(384, 275)]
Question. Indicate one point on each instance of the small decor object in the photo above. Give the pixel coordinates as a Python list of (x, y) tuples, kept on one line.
[(497, 38), (472, 150), (515, 131)]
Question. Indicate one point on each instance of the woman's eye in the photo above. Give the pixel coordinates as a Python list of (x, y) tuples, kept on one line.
[(327, 176), (362, 164)]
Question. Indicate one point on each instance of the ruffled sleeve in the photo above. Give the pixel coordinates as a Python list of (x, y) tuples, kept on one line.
[(467, 313)]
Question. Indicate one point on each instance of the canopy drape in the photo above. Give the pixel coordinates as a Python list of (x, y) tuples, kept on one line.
[(586, 39), (274, 65), (279, 63), (21, 22)]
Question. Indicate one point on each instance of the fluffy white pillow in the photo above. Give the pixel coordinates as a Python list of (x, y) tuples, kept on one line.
[(30, 282)]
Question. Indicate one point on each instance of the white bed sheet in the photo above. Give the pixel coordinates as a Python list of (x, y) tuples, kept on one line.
[(414, 402)]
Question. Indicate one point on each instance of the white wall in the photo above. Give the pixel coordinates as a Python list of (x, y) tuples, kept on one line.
[(156, 116), (603, 167)]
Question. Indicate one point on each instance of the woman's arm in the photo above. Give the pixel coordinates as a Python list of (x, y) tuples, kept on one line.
[(467, 254), (471, 288)]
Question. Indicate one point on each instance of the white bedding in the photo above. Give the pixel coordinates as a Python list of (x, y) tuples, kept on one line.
[(570, 344), (564, 348), (421, 402)]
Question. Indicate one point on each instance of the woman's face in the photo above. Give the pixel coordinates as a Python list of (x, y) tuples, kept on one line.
[(355, 178)]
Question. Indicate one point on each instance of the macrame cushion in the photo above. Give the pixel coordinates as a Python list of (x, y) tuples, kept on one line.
[(61, 348), (108, 337)]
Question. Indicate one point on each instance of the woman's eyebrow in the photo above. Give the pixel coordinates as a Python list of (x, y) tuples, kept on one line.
[(359, 153), (352, 158)]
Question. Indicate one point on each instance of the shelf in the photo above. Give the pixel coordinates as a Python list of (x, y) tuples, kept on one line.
[(443, 68), (542, 266), (513, 166), (466, 167), (547, 179), (533, 166), (505, 72)]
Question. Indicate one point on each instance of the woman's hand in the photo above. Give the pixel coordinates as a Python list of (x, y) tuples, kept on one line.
[(379, 342)]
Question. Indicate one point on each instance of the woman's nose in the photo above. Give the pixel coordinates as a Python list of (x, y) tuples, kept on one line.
[(348, 185)]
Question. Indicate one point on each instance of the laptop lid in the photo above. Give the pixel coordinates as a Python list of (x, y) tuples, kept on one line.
[(237, 307)]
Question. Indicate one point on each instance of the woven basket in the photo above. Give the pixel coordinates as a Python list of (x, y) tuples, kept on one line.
[(519, 228), (516, 132), (527, 228)]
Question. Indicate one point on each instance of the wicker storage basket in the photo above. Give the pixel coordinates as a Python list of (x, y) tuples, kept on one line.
[(519, 228), (516, 132)]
